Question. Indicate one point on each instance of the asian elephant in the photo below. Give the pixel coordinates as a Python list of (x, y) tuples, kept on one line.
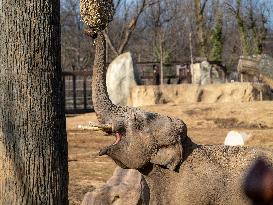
[(177, 170)]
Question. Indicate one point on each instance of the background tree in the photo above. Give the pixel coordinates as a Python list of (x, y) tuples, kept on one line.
[(199, 9), (143, 41), (257, 25), (127, 16), (251, 21), (217, 37), (33, 145), (76, 52)]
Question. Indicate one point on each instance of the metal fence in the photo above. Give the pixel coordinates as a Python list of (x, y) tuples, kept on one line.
[(174, 72), (77, 88)]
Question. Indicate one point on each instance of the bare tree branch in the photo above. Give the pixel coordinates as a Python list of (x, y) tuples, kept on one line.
[(117, 4), (203, 7), (128, 28), (109, 42)]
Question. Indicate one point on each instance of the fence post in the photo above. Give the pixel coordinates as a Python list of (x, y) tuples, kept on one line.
[(64, 94), (74, 93), (84, 92)]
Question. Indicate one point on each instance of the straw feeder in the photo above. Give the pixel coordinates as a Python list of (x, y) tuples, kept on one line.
[(96, 13)]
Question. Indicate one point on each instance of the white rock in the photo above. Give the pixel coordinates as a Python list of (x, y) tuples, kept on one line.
[(120, 78), (196, 73), (205, 73), (235, 138)]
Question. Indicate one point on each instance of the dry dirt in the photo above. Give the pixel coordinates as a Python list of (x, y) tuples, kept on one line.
[(207, 124)]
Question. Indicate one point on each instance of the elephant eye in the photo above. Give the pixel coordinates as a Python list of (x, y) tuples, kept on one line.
[(139, 125), (121, 130)]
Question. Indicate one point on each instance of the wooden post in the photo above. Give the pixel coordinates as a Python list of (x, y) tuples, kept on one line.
[(191, 48), (191, 66), (161, 62), (242, 78), (74, 93), (84, 92), (64, 91)]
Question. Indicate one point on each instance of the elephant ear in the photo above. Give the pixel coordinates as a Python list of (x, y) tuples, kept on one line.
[(169, 156)]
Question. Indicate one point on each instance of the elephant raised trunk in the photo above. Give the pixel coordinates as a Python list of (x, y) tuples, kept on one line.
[(101, 101), (107, 112)]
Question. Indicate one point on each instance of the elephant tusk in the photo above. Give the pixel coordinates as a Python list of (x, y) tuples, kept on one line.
[(103, 127)]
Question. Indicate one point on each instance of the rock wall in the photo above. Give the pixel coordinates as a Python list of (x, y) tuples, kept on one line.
[(192, 93)]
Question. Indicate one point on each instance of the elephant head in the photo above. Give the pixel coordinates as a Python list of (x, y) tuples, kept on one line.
[(144, 138)]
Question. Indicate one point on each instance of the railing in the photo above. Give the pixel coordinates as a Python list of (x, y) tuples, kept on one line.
[(77, 88)]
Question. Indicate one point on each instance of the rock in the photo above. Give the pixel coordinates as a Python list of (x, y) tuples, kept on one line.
[(205, 73), (196, 73), (120, 78), (235, 138), (126, 186), (260, 66)]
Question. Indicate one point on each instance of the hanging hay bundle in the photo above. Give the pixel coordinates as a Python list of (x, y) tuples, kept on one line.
[(97, 13)]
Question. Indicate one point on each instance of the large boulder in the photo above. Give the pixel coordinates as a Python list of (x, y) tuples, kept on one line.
[(120, 78), (259, 66), (126, 186), (206, 73)]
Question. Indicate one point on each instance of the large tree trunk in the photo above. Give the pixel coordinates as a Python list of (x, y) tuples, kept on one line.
[(33, 145)]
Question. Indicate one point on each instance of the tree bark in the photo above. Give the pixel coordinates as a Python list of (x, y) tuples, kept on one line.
[(33, 144)]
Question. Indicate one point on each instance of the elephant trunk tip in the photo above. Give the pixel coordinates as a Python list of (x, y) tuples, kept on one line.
[(103, 151)]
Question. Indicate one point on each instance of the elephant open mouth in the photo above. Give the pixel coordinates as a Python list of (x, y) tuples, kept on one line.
[(105, 150), (118, 138)]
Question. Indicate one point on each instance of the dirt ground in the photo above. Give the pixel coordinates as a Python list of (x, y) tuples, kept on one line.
[(207, 124)]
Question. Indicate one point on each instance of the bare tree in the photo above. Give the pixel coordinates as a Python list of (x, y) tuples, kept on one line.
[(160, 20), (257, 25), (216, 38), (33, 145), (135, 29), (129, 23), (199, 7), (76, 53)]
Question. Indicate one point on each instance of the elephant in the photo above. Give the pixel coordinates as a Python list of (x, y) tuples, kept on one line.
[(177, 170)]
